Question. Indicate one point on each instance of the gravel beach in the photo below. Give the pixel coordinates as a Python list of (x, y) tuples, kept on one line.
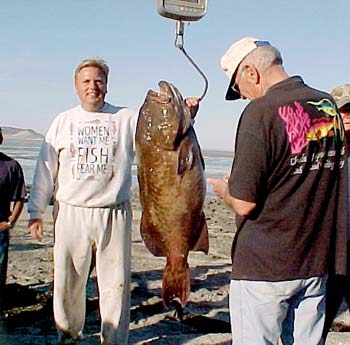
[(206, 316)]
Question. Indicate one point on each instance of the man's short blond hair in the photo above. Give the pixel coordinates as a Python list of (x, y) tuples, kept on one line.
[(93, 62)]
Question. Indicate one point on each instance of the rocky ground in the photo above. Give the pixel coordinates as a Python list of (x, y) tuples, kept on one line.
[(206, 318)]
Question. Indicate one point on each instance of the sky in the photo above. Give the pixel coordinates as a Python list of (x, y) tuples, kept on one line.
[(42, 42)]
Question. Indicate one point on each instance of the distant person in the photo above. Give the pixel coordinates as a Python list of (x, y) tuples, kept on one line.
[(85, 165), (338, 286), (12, 195), (287, 186)]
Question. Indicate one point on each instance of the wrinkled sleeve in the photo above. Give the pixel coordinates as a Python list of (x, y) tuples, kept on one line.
[(133, 123), (19, 190), (44, 176)]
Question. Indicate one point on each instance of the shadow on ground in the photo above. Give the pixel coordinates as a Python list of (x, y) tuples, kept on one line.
[(29, 309)]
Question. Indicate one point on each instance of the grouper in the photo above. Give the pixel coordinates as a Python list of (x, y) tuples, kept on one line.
[(170, 169)]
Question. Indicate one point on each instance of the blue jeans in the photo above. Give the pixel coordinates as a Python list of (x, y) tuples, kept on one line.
[(4, 249), (263, 312)]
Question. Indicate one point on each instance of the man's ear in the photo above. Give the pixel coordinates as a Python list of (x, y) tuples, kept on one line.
[(253, 74)]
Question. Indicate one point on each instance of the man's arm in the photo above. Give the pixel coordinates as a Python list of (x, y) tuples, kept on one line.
[(12, 219), (43, 182), (220, 188), (16, 211)]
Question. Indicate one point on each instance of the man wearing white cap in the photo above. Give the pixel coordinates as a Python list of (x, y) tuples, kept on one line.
[(287, 187)]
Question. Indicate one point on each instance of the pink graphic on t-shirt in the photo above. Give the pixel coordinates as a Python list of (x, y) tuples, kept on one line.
[(297, 123)]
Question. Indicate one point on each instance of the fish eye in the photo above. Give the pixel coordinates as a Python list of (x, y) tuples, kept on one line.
[(164, 99)]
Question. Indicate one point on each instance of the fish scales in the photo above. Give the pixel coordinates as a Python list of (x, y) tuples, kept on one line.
[(172, 187)]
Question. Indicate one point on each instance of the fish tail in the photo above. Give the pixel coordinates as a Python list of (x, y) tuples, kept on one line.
[(176, 283)]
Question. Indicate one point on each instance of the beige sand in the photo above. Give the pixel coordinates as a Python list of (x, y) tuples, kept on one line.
[(206, 319)]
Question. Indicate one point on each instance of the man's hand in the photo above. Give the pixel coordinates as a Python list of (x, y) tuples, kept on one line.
[(3, 226), (220, 186), (193, 104), (35, 227)]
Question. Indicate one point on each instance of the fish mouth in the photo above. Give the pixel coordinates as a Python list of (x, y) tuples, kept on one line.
[(167, 93)]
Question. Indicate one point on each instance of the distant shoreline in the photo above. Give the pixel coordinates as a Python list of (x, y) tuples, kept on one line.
[(20, 137), (20, 133), (217, 153), (30, 134)]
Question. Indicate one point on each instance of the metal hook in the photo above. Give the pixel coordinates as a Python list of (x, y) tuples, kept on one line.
[(179, 43), (179, 40)]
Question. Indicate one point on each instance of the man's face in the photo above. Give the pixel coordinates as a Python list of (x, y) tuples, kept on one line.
[(345, 115), (91, 88), (246, 83)]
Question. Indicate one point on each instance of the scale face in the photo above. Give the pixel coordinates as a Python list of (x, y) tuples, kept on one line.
[(183, 10)]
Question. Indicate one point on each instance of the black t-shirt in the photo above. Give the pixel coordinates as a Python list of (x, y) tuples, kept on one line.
[(12, 187), (290, 161)]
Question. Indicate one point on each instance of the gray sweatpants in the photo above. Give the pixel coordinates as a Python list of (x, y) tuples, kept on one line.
[(76, 230)]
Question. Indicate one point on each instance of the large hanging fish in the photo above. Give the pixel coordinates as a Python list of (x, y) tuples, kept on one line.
[(172, 187)]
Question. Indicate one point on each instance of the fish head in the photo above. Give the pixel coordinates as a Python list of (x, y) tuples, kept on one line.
[(164, 117)]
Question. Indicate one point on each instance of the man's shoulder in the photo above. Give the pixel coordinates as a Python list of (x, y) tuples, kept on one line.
[(62, 116), (68, 111), (256, 110), (120, 111), (110, 108), (9, 161), (4, 157)]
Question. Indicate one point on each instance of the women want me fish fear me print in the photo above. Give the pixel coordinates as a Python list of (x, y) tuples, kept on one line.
[(92, 148)]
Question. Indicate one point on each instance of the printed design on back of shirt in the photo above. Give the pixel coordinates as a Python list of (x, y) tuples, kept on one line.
[(92, 149), (328, 124), (297, 124), (302, 129)]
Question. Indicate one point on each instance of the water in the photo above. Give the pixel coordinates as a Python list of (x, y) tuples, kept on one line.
[(25, 151)]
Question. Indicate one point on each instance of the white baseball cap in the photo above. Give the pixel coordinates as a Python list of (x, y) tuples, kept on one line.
[(234, 56)]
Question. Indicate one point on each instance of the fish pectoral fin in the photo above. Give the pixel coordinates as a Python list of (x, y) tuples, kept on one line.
[(202, 244), (176, 284), (185, 158)]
